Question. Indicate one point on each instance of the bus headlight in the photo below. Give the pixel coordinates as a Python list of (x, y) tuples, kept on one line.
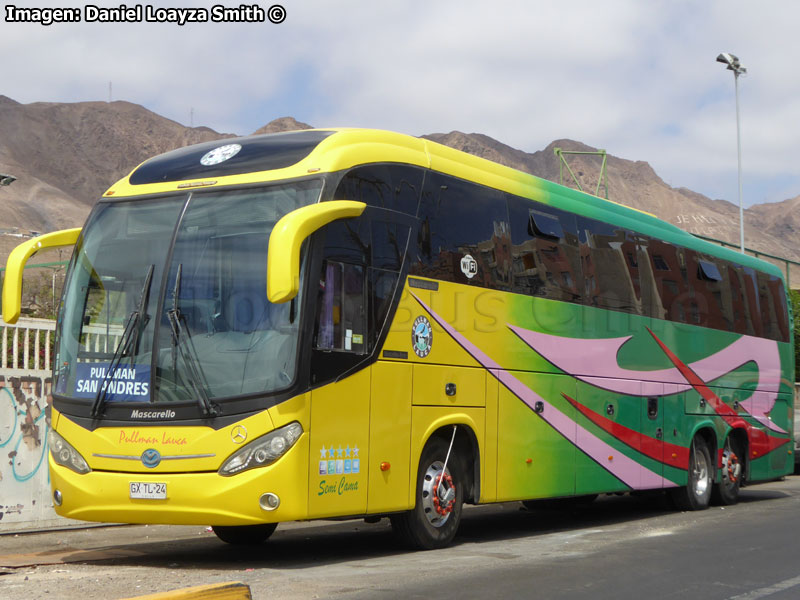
[(263, 451), (65, 455)]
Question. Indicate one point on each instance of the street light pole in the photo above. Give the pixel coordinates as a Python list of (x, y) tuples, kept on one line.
[(734, 65)]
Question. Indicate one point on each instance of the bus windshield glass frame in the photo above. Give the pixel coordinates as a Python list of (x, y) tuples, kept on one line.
[(165, 301)]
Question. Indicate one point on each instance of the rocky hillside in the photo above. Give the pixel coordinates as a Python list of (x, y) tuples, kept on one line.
[(65, 155)]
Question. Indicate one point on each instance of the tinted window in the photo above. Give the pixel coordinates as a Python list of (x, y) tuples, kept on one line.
[(341, 312), (610, 280), (256, 153), (544, 251), (772, 300), (394, 187), (463, 233), (348, 240), (389, 241), (671, 290)]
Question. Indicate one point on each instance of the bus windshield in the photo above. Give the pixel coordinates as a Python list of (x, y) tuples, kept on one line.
[(166, 300)]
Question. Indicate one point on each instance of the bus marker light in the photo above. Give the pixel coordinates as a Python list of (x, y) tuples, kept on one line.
[(610, 458), (194, 184), (529, 460), (385, 466), (57, 499), (269, 501)]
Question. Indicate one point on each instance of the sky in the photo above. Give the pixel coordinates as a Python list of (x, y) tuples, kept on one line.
[(635, 77)]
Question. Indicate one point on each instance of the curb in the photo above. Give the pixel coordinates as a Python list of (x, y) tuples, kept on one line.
[(230, 590)]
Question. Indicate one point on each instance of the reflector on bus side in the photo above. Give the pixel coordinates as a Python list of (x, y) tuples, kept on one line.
[(12, 284), (283, 276)]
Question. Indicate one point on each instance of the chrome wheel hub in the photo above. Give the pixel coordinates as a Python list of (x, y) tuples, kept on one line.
[(702, 480), (438, 494)]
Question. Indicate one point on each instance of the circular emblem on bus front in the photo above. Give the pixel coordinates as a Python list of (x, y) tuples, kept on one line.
[(151, 458), (220, 154), (422, 336), (238, 434)]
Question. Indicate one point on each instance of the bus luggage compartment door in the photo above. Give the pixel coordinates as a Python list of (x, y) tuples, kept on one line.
[(442, 385)]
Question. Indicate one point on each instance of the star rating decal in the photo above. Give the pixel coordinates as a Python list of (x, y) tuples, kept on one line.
[(338, 460)]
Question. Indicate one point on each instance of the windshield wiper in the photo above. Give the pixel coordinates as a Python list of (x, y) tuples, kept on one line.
[(129, 340), (183, 343)]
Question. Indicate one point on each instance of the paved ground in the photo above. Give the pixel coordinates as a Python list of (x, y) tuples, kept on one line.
[(619, 547)]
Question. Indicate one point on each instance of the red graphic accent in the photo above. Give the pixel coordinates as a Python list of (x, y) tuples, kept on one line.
[(656, 449), (760, 442)]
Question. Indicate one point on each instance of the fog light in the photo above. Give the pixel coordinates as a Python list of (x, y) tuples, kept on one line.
[(57, 498), (269, 501)]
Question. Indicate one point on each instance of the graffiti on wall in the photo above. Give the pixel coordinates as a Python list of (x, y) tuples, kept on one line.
[(24, 424)]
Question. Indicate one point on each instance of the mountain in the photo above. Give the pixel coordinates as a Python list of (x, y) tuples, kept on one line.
[(65, 155)]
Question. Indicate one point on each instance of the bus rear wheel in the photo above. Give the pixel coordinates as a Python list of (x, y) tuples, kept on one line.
[(697, 493), (434, 520), (244, 535), (726, 492)]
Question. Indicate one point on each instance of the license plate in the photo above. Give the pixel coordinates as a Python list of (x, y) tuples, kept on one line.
[(148, 491)]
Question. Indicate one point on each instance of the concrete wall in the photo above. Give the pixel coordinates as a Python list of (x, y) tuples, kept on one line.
[(25, 377)]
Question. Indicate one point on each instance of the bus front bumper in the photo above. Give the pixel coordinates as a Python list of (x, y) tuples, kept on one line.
[(191, 498)]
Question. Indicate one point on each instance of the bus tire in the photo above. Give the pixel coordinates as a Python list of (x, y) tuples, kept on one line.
[(726, 492), (696, 495), (433, 521), (244, 535)]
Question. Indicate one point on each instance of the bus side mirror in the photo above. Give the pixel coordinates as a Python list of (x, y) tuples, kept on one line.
[(12, 283), (283, 258)]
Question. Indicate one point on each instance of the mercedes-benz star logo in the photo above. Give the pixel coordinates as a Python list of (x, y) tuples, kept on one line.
[(238, 434)]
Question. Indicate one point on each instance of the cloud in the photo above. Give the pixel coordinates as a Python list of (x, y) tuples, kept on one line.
[(638, 79)]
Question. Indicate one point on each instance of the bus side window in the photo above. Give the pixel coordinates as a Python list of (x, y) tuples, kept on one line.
[(394, 187), (664, 267), (463, 234), (544, 251), (713, 285), (606, 265), (341, 312), (772, 298)]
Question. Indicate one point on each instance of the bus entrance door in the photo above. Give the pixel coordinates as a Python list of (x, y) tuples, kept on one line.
[(339, 447)]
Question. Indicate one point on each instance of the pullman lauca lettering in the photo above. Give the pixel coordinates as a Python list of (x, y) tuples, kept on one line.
[(337, 297)]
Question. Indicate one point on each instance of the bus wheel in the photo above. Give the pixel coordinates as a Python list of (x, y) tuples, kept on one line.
[(244, 535), (697, 493), (439, 498), (730, 477)]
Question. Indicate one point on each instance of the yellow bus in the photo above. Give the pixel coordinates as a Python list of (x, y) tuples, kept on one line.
[(356, 323)]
